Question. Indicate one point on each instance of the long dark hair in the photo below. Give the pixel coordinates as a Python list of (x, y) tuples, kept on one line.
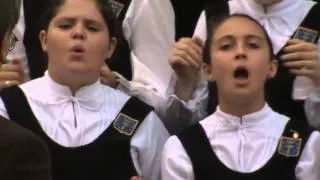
[(109, 17), (9, 15)]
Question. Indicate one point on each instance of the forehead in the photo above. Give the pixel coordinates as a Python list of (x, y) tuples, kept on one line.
[(239, 27), (80, 8)]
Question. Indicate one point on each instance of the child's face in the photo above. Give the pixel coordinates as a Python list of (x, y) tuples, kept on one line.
[(77, 39), (240, 59)]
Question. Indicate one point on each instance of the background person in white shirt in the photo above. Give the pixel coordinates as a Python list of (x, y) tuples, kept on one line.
[(73, 112), (296, 89), (244, 138)]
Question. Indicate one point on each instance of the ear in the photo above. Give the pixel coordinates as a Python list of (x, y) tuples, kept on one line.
[(112, 47), (273, 69), (208, 72), (43, 40)]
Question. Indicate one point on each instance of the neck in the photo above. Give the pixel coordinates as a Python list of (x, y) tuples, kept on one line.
[(240, 106), (72, 81)]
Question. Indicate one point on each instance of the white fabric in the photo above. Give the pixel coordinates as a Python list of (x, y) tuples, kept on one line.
[(150, 30), (175, 113), (73, 121), (242, 144)]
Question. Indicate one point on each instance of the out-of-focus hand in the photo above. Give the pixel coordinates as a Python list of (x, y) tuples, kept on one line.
[(302, 58), (108, 77), (11, 73), (186, 60), (136, 178)]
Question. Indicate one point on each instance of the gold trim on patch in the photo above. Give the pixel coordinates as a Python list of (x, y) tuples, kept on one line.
[(125, 124), (287, 144), (306, 34)]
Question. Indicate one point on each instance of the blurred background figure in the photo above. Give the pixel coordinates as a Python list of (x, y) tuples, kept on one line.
[(22, 154)]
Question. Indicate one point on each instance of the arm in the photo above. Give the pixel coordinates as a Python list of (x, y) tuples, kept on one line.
[(308, 167), (303, 59), (312, 108), (150, 30), (175, 164), (146, 147)]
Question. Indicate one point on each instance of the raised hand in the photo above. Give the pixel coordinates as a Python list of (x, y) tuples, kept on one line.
[(303, 59), (186, 60), (11, 73)]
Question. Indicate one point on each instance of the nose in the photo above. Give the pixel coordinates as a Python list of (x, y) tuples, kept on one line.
[(78, 32), (241, 52)]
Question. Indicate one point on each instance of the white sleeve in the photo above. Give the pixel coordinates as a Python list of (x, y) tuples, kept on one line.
[(175, 113), (178, 114), (149, 27), (175, 163), (308, 167), (3, 110), (312, 109), (201, 28), (147, 145)]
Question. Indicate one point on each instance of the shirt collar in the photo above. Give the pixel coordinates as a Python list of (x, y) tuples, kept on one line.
[(88, 96), (247, 120)]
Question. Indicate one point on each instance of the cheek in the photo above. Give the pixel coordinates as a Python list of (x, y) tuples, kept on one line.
[(56, 43), (100, 47)]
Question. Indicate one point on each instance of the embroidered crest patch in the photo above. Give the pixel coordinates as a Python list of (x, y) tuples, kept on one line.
[(125, 124), (116, 7), (290, 147), (305, 34)]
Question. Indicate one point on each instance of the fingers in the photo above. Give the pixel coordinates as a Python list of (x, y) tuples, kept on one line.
[(188, 50), (105, 71), (295, 45), (136, 178), (303, 72), (12, 68), (300, 56), (108, 77), (182, 58), (10, 76), (308, 64), (5, 84)]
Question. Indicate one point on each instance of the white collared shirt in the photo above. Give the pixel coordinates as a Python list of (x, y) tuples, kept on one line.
[(242, 144), (73, 121)]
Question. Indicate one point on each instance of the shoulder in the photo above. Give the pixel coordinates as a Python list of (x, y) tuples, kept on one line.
[(20, 141), (174, 153), (16, 134), (32, 86), (23, 153)]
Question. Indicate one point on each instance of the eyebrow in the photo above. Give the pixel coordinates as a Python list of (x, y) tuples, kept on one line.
[(247, 36), (72, 19)]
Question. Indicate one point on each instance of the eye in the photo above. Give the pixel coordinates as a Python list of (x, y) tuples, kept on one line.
[(253, 45), (93, 28), (225, 47), (65, 26)]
